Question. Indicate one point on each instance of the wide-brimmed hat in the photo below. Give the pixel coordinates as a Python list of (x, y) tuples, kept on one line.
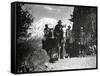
[(59, 21), (46, 25)]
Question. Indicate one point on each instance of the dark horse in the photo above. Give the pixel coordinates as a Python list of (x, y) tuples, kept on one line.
[(54, 45), (50, 43)]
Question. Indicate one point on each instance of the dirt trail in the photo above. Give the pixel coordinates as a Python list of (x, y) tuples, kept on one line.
[(73, 63)]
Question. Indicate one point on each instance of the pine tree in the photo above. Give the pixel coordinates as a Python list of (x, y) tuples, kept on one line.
[(24, 20)]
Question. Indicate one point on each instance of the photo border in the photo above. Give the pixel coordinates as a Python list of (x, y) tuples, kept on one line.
[(14, 40)]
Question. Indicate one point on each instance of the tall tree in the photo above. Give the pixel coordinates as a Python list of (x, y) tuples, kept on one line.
[(24, 20), (84, 17)]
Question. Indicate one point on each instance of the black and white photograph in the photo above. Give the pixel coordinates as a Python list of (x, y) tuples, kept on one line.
[(53, 37)]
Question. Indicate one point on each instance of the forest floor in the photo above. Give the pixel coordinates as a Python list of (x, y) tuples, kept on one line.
[(73, 63)]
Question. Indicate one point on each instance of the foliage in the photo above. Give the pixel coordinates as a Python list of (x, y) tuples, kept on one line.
[(30, 56), (24, 20), (84, 17)]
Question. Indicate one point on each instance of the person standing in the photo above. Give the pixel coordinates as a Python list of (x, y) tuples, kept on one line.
[(82, 42)]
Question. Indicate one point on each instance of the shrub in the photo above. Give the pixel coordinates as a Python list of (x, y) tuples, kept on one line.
[(30, 56)]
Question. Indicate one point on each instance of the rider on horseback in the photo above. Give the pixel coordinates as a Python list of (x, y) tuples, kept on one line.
[(46, 31), (58, 34), (58, 30)]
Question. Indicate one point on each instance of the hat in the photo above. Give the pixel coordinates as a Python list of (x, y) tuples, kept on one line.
[(46, 25), (59, 21)]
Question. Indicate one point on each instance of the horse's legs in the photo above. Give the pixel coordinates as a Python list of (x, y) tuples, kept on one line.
[(83, 50), (63, 50), (67, 48), (58, 52), (48, 52)]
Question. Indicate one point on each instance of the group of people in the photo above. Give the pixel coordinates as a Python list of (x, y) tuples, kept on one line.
[(64, 42), (56, 38), (58, 31)]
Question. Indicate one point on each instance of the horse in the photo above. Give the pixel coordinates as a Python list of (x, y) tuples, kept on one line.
[(54, 44), (68, 44), (63, 42), (50, 44)]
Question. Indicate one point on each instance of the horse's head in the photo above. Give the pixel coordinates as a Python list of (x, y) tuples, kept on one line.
[(64, 32), (51, 32)]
